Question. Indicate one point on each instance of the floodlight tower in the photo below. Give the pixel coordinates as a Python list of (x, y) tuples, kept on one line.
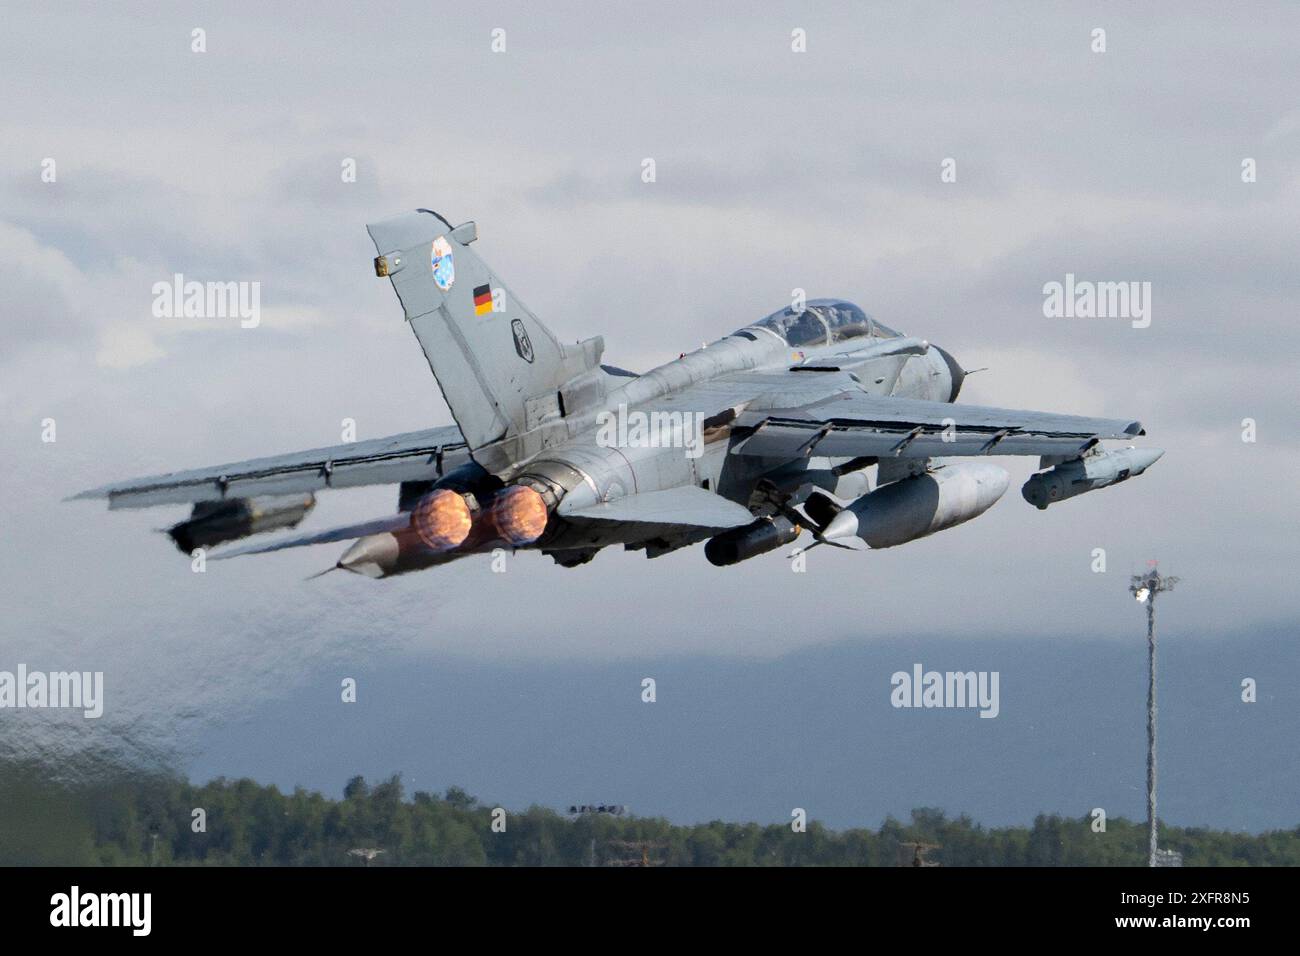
[(1145, 587)]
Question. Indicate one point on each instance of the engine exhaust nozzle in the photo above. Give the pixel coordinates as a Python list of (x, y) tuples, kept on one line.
[(518, 513), (442, 519)]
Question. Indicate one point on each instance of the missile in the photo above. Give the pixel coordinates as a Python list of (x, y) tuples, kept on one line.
[(212, 522), (914, 507), (1086, 474)]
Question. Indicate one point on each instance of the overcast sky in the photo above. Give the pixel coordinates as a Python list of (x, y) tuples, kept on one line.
[(775, 170)]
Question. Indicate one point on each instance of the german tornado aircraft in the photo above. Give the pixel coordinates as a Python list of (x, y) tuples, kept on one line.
[(816, 419)]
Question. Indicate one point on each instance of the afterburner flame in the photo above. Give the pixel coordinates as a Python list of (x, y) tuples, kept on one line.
[(442, 520), (519, 515)]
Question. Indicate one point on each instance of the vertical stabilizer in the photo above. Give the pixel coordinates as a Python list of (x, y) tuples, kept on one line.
[(500, 369)]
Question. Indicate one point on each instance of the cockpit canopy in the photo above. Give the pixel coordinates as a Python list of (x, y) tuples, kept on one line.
[(822, 321)]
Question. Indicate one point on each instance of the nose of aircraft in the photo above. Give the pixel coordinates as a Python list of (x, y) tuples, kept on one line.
[(955, 371)]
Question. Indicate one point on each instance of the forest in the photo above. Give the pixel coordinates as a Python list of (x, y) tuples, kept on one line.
[(159, 819)]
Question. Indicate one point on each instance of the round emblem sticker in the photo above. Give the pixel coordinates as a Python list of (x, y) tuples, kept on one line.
[(444, 270)]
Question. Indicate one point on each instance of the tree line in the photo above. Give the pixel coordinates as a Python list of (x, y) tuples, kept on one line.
[(159, 819)]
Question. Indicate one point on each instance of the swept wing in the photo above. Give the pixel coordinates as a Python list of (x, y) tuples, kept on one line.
[(411, 456), (853, 423)]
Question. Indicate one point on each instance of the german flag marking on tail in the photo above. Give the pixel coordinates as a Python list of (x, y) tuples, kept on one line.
[(482, 300)]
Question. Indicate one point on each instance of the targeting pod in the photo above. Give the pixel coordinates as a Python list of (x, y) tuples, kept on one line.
[(1089, 473), (215, 522), (740, 544)]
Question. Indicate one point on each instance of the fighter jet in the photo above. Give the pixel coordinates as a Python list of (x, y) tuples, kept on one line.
[(817, 419)]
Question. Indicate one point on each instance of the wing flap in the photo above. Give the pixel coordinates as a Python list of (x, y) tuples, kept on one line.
[(411, 456), (858, 424)]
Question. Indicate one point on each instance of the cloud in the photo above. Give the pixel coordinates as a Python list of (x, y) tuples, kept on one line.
[(776, 171), (125, 346), (40, 289)]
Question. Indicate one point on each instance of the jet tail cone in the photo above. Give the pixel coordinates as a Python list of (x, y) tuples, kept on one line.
[(371, 556)]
